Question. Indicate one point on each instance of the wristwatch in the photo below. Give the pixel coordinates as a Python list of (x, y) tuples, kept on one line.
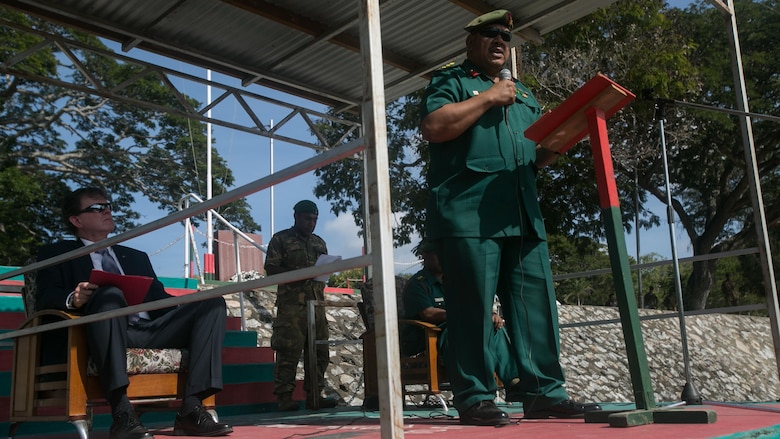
[(70, 302)]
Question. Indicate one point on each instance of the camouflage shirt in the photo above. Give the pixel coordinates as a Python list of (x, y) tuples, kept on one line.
[(289, 250)]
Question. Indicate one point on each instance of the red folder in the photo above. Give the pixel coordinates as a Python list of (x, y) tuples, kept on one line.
[(133, 287), (559, 129)]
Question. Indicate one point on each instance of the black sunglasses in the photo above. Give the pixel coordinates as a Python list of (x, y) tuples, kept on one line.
[(491, 32), (97, 207)]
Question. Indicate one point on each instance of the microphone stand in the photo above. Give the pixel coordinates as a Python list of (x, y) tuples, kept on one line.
[(690, 395)]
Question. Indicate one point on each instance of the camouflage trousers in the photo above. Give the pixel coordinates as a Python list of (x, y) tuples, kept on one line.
[(289, 339)]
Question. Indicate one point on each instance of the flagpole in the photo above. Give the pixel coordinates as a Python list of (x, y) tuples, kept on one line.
[(272, 171)]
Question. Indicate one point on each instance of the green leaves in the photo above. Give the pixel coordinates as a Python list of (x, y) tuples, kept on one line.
[(55, 139)]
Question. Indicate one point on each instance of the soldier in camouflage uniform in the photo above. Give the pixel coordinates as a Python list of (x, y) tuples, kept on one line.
[(292, 249)]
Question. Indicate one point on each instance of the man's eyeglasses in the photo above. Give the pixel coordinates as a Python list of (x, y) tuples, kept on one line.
[(492, 32), (97, 207)]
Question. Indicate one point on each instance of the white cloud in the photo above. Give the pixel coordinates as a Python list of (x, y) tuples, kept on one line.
[(341, 235)]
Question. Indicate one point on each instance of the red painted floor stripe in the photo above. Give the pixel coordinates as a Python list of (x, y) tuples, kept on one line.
[(6, 359), (11, 320), (354, 424), (247, 393), (247, 355)]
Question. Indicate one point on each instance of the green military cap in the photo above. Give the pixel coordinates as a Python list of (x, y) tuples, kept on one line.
[(501, 16), (424, 247), (306, 206)]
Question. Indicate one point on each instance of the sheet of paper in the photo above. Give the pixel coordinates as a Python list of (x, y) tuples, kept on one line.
[(322, 260), (133, 287)]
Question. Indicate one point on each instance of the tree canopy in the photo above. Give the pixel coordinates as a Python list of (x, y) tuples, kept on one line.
[(56, 138), (664, 55)]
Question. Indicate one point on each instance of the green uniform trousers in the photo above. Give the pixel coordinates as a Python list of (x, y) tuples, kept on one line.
[(289, 339), (506, 365), (517, 269)]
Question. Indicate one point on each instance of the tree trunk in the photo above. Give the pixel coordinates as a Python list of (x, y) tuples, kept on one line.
[(699, 285)]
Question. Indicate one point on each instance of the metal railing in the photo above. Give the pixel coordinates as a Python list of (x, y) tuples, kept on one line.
[(333, 155), (184, 203), (312, 342)]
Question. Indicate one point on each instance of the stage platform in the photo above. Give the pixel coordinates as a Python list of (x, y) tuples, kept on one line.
[(743, 421), (247, 403)]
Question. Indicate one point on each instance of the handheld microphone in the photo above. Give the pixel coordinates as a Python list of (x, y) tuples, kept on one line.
[(505, 75)]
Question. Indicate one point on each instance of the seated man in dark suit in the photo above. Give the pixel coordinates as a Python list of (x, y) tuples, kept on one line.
[(198, 327), (423, 299)]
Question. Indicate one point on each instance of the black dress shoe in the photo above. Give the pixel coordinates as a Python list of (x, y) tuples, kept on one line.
[(322, 403), (126, 425), (199, 423), (566, 409), (512, 396), (514, 393), (484, 413)]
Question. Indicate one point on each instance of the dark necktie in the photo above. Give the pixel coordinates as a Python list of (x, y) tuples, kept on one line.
[(109, 264)]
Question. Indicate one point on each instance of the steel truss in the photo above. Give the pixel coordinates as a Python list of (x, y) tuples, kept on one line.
[(74, 52)]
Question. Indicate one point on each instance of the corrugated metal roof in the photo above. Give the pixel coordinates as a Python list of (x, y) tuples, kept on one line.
[(308, 48)]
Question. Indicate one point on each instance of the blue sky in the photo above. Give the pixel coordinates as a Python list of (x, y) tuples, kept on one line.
[(248, 156)]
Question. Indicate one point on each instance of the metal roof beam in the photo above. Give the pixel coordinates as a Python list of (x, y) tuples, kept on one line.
[(127, 46), (476, 7), (225, 66), (314, 28), (312, 44)]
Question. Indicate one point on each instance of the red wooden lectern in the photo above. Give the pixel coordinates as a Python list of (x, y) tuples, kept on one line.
[(560, 129), (586, 111)]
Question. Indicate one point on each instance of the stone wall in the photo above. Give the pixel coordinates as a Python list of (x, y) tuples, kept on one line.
[(731, 356)]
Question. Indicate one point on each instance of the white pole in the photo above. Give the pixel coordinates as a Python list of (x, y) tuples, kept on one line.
[(209, 225), (374, 119), (187, 231), (272, 171)]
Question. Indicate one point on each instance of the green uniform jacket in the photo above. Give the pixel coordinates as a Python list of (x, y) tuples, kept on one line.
[(483, 183), (288, 250)]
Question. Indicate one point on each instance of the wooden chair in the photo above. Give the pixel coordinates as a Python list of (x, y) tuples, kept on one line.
[(68, 391), (421, 374)]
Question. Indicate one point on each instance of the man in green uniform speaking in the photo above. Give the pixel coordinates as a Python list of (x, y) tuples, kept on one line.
[(487, 224), (292, 249), (423, 299)]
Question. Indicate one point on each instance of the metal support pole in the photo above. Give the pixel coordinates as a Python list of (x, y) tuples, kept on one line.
[(209, 177), (689, 394), (639, 288), (201, 274), (312, 342), (377, 186), (759, 217), (271, 169), (187, 231), (239, 278), (368, 272), (311, 346)]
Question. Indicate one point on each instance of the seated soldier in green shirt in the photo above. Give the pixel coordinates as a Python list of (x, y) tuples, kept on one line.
[(423, 299)]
